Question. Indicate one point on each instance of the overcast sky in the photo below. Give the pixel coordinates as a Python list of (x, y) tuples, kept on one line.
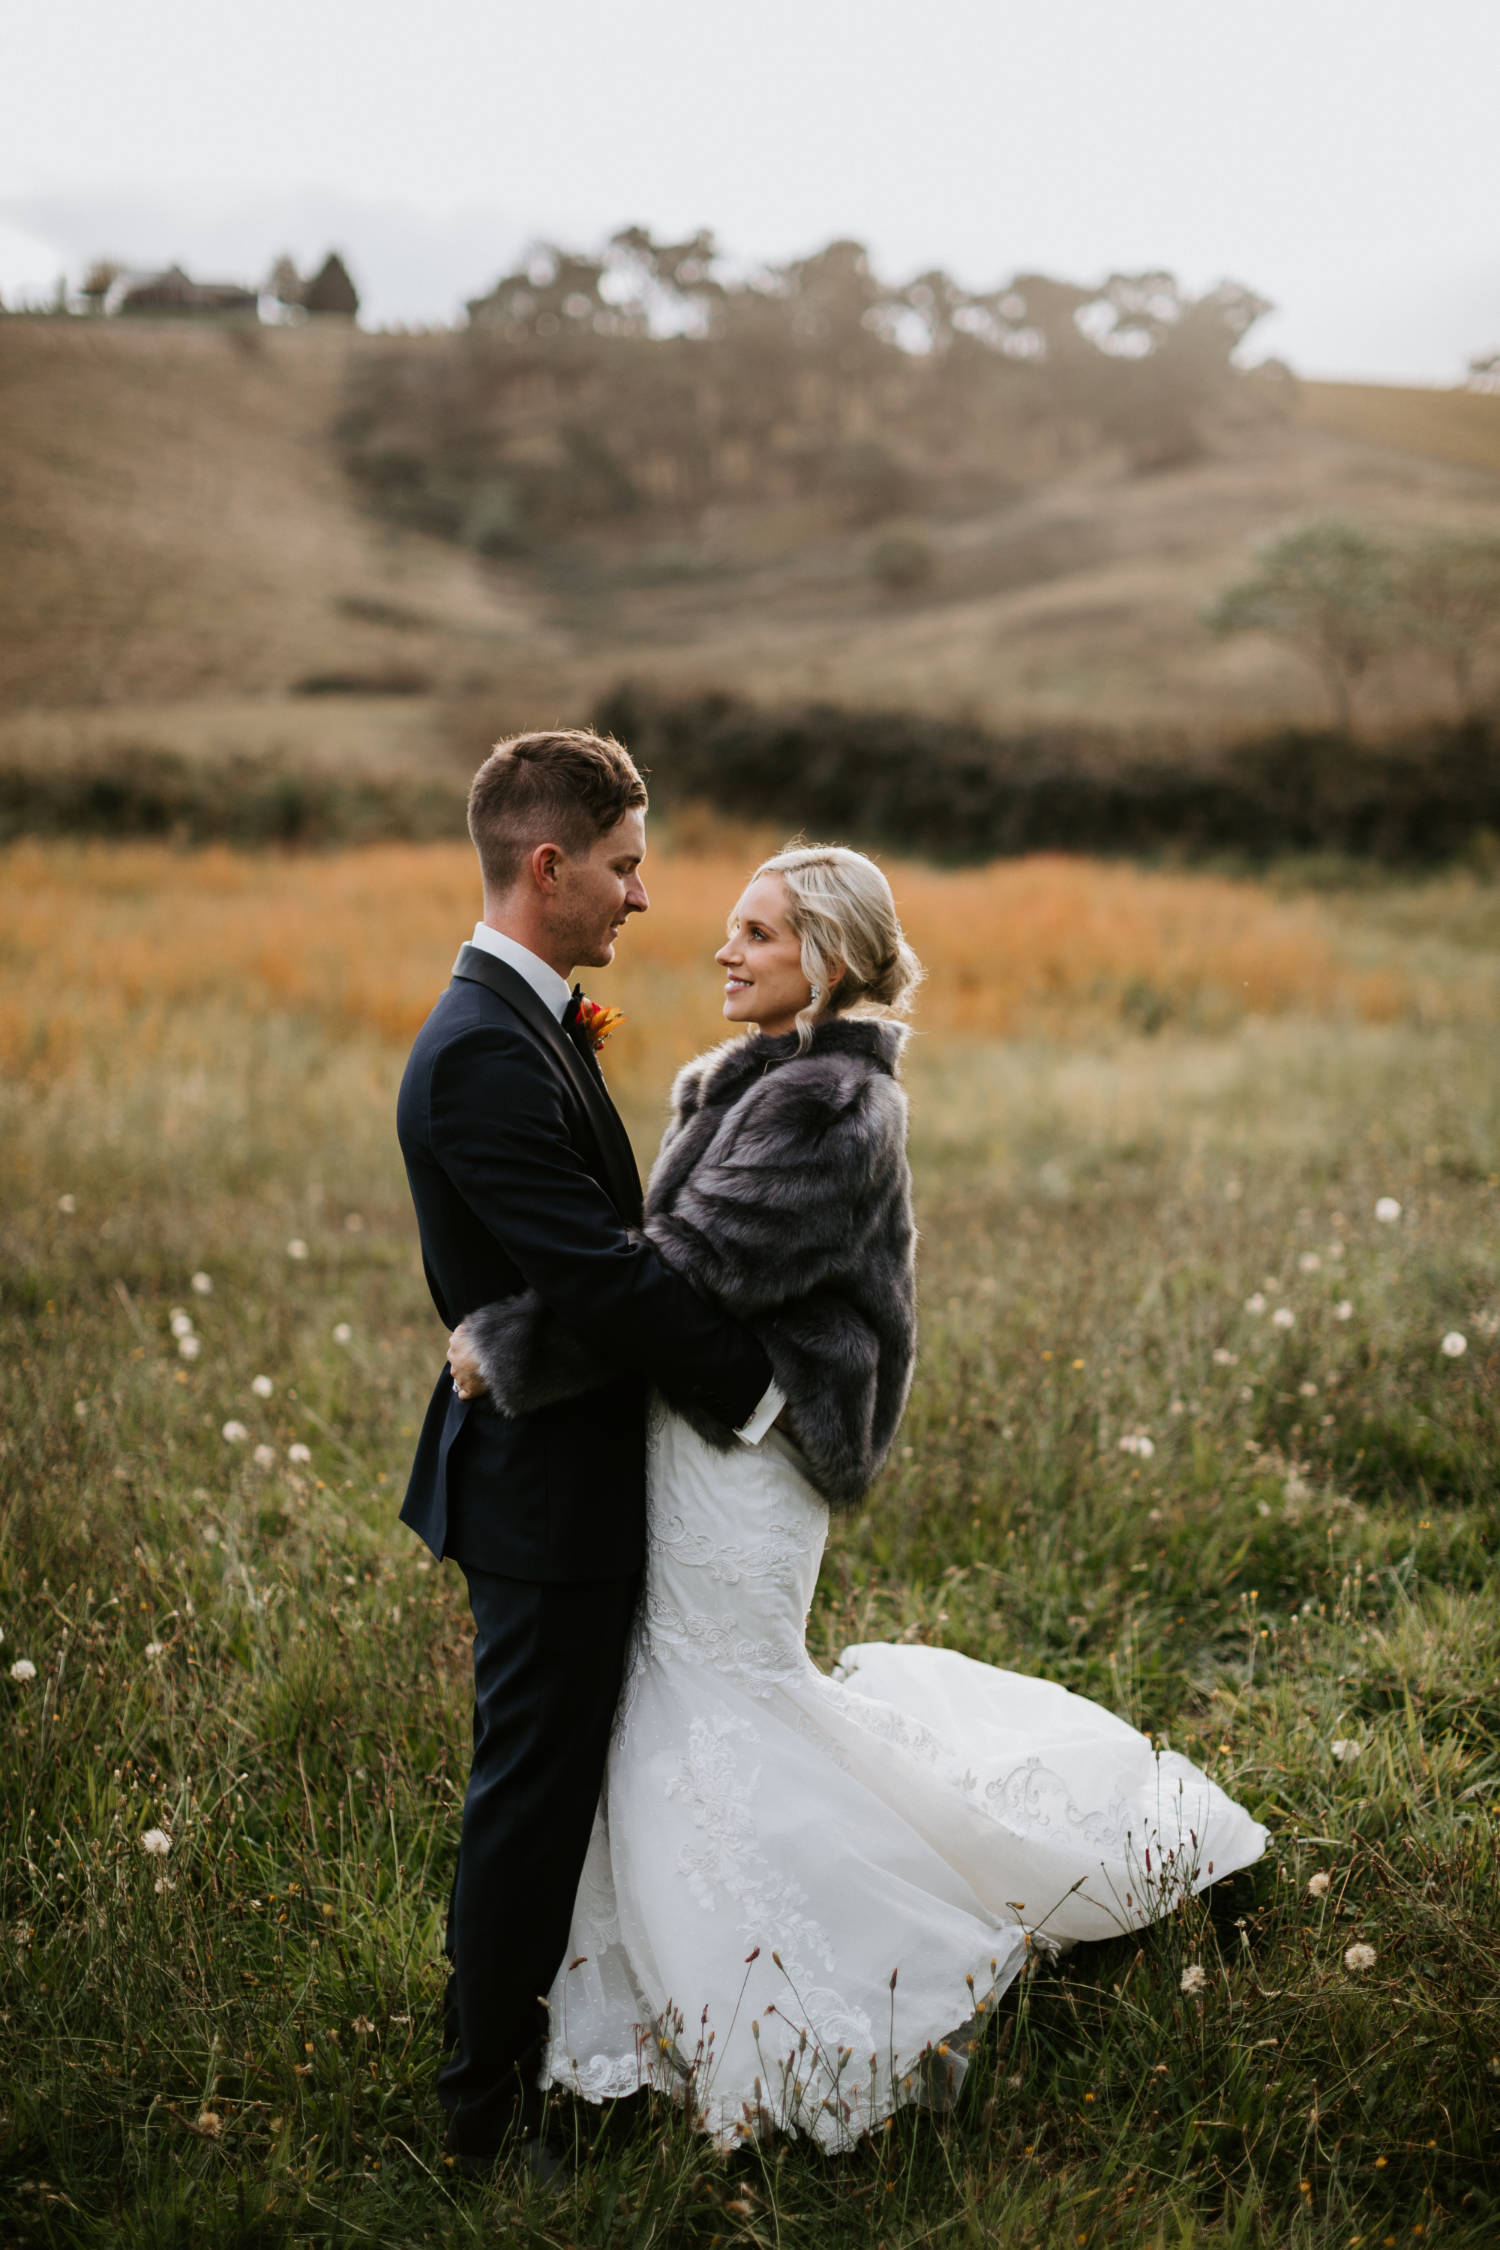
[(1341, 156)]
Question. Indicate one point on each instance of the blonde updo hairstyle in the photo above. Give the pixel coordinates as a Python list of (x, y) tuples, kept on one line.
[(840, 906)]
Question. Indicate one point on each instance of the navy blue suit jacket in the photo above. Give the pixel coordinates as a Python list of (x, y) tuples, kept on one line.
[(523, 1177)]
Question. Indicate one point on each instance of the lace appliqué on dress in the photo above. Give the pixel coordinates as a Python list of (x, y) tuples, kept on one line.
[(716, 1778)]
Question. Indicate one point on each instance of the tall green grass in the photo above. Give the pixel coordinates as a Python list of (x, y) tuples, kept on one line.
[(234, 2044)]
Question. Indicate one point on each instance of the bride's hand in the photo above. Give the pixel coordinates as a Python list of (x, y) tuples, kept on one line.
[(468, 1378)]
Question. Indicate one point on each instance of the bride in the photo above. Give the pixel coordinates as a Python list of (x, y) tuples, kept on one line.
[(804, 1894)]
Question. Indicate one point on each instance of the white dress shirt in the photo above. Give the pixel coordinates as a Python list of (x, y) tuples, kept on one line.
[(555, 992)]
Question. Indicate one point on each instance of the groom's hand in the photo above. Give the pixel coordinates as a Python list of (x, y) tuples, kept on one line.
[(468, 1380)]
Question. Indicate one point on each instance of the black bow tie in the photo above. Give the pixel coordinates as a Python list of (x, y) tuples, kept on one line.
[(575, 1029)]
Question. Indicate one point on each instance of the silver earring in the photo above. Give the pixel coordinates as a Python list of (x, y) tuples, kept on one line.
[(817, 994)]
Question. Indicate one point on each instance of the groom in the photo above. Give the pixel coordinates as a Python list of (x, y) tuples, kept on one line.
[(522, 1176)]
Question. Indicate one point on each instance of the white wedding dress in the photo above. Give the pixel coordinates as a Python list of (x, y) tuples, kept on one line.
[(803, 1894)]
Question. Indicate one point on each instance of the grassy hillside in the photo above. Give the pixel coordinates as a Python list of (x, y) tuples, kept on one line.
[(179, 550)]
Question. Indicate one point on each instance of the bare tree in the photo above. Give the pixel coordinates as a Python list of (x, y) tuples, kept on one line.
[(1326, 590)]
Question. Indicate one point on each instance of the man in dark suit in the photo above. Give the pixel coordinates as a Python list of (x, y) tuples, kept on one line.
[(523, 1177)]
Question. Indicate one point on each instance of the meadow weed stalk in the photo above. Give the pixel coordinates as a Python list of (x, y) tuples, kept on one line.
[(226, 1644)]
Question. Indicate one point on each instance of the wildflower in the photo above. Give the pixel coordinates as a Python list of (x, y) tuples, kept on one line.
[(363, 2026), (211, 2123), (264, 1457), (1387, 1210), (301, 1454), (202, 1285), (1343, 1310), (262, 1386), (23, 1669), (1223, 1358), (354, 1224), (163, 1883), (67, 1204), (156, 1842), (1309, 1262), (1193, 1978), (296, 1248), (188, 1347), (1176, 1406), (80, 1409), (1138, 1443), (1283, 1317), (154, 1649), (1319, 1885), (180, 1322), (234, 1433), (1359, 1957), (343, 1333), (1307, 1390), (1453, 1345), (1255, 1302), (1335, 1253), (1346, 1751)]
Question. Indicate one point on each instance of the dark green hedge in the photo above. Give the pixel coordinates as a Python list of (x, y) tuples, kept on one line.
[(954, 792), (152, 792)]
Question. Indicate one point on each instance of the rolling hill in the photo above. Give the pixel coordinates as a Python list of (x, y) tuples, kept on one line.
[(182, 561)]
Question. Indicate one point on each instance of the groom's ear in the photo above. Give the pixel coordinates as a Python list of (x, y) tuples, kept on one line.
[(544, 866)]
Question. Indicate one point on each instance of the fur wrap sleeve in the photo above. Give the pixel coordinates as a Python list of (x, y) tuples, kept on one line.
[(781, 1190)]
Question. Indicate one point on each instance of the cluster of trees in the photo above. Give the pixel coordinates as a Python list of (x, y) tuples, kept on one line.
[(652, 375), (1348, 599)]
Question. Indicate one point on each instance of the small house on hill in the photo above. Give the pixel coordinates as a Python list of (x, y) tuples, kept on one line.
[(330, 289), (174, 295)]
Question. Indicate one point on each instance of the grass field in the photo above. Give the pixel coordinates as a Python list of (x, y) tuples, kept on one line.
[(1144, 1105)]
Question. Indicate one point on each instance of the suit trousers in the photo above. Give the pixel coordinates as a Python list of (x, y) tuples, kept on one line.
[(548, 1662)]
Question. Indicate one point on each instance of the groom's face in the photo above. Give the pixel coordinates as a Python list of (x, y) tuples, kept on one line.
[(599, 890)]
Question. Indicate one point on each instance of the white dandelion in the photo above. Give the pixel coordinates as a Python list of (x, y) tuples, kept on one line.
[(67, 1204), (1345, 1750), (180, 1322), (343, 1333), (296, 1248), (202, 1284), (1255, 1302), (1223, 1358), (301, 1454), (188, 1347), (156, 1843), (1344, 1309), (262, 1386), (1387, 1210), (354, 1224), (1193, 1978), (1319, 1885), (234, 1433), (211, 2123), (1283, 1317), (154, 1650), (1309, 1262), (1359, 1957), (1307, 1390), (264, 1457), (1453, 1346), (1138, 1443), (23, 1669)]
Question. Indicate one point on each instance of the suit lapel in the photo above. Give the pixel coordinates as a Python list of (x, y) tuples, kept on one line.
[(586, 1079)]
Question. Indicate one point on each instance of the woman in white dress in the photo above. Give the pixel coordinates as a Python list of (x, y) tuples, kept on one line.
[(804, 1894)]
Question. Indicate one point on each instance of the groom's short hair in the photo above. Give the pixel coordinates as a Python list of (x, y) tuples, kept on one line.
[(568, 787)]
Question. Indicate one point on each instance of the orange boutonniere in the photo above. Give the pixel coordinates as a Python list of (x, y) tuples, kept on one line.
[(597, 1022)]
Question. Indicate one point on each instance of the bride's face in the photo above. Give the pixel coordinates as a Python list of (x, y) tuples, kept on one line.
[(762, 956)]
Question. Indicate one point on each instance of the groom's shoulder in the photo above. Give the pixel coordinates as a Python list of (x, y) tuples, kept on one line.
[(470, 1017)]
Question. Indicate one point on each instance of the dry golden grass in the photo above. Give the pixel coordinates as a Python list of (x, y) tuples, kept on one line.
[(102, 945), (1459, 426)]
